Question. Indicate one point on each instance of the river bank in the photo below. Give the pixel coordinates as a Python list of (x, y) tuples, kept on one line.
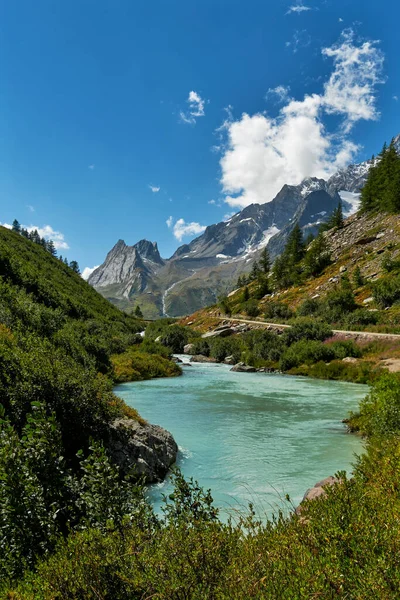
[(249, 437)]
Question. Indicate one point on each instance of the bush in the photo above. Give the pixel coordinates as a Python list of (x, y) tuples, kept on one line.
[(306, 329), (305, 352), (310, 306), (220, 348), (201, 347), (387, 290), (251, 308), (361, 317), (175, 337), (380, 410), (278, 310), (337, 304), (345, 348)]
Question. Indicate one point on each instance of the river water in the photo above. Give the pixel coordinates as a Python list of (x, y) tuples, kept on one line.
[(250, 437)]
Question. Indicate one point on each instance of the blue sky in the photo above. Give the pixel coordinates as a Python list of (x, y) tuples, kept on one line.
[(118, 116)]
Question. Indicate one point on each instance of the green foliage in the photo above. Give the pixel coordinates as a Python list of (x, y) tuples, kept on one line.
[(287, 269), (201, 347), (246, 294), (265, 261), (224, 306), (380, 410), (306, 329), (381, 191), (361, 317), (278, 310), (310, 307), (138, 312), (251, 308), (317, 257), (175, 337), (57, 337), (134, 365), (344, 348), (305, 351), (387, 290), (220, 348), (337, 304), (358, 279)]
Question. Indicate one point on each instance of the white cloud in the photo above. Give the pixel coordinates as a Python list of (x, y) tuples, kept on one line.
[(211, 202), (91, 167), (182, 229), (396, 98), (196, 108), (299, 7), (281, 93), (261, 153), (87, 271), (50, 234), (30, 207), (154, 188), (6, 225), (170, 222), (340, 20)]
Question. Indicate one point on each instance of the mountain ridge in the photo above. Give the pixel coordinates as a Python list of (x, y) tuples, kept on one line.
[(198, 272)]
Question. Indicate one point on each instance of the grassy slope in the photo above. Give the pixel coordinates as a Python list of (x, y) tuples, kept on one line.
[(60, 345)]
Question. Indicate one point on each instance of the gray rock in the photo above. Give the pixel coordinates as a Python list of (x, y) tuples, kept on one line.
[(349, 359), (175, 359), (148, 449), (188, 349), (199, 358), (368, 300), (342, 269), (317, 491), (229, 360), (242, 368), (227, 331)]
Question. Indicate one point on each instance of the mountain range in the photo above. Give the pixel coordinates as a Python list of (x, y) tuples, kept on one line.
[(198, 272)]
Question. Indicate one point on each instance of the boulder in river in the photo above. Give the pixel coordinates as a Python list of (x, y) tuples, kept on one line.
[(148, 449), (188, 349), (242, 368), (229, 360), (199, 358)]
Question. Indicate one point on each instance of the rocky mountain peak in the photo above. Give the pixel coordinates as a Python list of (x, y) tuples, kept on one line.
[(149, 251)]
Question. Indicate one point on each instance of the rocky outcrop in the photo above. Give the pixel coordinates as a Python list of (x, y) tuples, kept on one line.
[(242, 368), (223, 331), (147, 449)]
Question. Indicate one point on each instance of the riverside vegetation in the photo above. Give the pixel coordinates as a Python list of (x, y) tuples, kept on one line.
[(62, 347)]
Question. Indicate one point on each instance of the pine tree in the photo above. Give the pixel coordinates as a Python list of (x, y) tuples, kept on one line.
[(138, 312), (255, 271), (246, 294), (66, 262), (317, 257), (24, 232), (337, 219), (358, 279), (51, 247), (16, 226), (265, 261), (294, 249), (74, 266)]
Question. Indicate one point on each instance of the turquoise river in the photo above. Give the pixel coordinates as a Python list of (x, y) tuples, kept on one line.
[(251, 437)]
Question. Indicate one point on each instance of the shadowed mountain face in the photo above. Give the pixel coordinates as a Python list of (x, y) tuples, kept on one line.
[(209, 265)]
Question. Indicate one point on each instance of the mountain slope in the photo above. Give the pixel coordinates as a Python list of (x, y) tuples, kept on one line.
[(209, 265)]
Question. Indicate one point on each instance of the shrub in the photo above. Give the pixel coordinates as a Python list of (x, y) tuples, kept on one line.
[(306, 329), (175, 337), (380, 410), (387, 290), (361, 317), (345, 348), (201, 347), (305, 352), (251, 308), (278, 310), (310, 306), (220, 348), (337, 304)]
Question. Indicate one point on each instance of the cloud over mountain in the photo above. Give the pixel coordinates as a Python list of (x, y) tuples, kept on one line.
[(262, 153)]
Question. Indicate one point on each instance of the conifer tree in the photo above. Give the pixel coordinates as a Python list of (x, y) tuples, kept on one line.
[(317, 256), (294, 249), (16, 226), (255, 271), (138, 312), (246, 294), (51, 247), (74, 266), (265, 261)]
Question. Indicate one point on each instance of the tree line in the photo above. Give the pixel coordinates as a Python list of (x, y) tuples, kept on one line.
[(381, 191), (48, 245)]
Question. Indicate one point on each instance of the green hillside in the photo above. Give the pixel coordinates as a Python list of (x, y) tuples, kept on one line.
[(59, 342)]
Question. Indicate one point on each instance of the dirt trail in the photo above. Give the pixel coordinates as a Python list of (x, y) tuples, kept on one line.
[(354, 334)]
